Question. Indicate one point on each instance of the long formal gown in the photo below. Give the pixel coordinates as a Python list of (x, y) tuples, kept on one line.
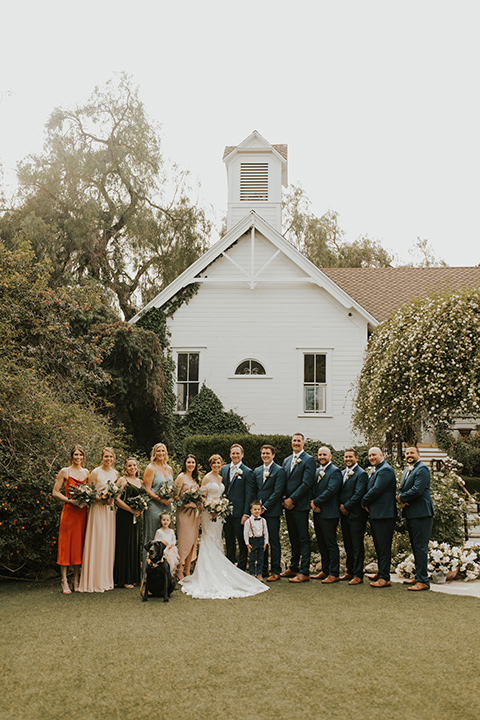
[(171, 551), (188, 525), (215, 577), (99, 548), (71, 534), (128, 536), (151, 520)]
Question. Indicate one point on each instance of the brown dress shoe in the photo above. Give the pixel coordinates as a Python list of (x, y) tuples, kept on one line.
[(273, 577), (319, 576), (299, 578), (330, 579), (347, 576), (356, 581), (373, 577), (381, 583), (409, 582), (419, 586), (288, 573)]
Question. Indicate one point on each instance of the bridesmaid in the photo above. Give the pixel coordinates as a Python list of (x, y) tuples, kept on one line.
[(128, 536), (157, 472), (188, 517), (99, 548), (73, 521)]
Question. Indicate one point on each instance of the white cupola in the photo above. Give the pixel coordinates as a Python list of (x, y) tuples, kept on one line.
[(256, 172)]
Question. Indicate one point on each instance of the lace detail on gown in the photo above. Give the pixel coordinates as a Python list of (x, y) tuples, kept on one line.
[(215, 577)]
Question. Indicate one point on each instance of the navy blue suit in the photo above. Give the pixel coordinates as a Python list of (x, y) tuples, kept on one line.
[(415, 490), (326, 493), (270, 493), (235, 491), (380, 500), (353, 525), (299, 484)]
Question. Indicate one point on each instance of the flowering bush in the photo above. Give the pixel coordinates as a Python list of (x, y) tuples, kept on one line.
[(445, 559)]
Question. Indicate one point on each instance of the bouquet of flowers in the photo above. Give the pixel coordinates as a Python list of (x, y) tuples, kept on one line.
[(110, 492), (138, 502), (220, 507), (191, 495), (166, 490), (83, 494)]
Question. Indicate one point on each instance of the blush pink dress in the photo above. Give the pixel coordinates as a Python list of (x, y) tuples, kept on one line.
[(188, 525), (99, 547)]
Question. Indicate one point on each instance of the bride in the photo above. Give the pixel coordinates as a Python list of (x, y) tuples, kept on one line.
[(215, 577)]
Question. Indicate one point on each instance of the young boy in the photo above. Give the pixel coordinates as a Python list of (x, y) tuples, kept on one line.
[(255, 533)]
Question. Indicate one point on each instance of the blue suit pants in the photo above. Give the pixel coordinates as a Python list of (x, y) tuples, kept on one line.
[(419, 531), (326, 532), (297, 525), (353, 532), (382, 533)]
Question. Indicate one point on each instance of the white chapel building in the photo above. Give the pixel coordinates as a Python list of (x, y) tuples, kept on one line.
[(280, 341)]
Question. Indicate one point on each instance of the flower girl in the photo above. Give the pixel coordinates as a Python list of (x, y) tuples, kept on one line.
[(166, 535)]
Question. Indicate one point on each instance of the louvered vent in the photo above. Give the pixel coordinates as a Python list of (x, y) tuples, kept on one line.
[(254, 181)]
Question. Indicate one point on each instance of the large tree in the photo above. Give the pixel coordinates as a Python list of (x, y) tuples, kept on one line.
[(101, 201), (321, 239), (422, 368)]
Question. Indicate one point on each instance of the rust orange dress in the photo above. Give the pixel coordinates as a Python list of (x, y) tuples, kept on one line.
[(71, 534)]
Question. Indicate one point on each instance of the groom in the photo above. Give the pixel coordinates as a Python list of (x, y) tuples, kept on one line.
[(236, 477)]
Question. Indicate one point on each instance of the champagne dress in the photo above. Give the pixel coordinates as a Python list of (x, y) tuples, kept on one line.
[(188, 525), (99, 548)]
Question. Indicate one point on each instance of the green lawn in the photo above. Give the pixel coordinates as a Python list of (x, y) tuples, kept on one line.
[(294, 652)]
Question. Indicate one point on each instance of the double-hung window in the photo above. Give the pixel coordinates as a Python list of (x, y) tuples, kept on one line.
[(314, 383), (187, 380)]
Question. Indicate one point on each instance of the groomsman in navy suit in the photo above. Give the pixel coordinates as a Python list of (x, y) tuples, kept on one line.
[(300, 473), (416, 502), (326, 512), (235, 477), (267, 485), (379, 502), (353, 518)]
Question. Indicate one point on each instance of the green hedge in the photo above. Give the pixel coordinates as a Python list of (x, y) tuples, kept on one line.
[(203, 446)]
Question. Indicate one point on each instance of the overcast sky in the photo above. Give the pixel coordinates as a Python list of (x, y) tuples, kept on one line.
[(377, 100)]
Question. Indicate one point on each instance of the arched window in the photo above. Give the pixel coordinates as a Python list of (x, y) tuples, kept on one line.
[(250, 367)]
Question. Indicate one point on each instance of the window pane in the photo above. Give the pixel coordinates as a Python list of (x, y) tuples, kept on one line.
[(192, 392), (320, 373), (243, 368), (182, 366), (181, 397), (310, 395), (193, 366), (257, 368), (308, 368)]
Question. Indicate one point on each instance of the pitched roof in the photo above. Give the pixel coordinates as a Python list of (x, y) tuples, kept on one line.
[(281, 149), (381, 291)]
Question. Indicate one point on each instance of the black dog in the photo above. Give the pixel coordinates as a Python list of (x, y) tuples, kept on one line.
[(158, 578)]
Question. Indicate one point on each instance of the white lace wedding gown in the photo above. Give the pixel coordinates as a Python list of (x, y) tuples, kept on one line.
[(215, 577)]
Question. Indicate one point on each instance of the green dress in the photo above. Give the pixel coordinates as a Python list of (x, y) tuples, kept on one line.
[(127, 568)]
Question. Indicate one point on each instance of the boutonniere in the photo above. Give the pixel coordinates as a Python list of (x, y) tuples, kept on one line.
[(409, 469), (298, 461), (370, 470), (321, 473), (239, 472), (267, 474), (350, 472)]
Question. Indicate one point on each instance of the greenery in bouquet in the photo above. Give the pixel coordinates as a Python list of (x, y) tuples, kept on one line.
[(138, 502), (220, 508), (110, 492), (166, 490), (189, 496), (83, 494)]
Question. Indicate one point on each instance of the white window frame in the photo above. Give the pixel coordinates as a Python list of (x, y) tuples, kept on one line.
[(179, 351), (328, 352)]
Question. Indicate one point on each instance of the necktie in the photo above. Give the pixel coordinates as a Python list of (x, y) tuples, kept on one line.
[(294, 462)]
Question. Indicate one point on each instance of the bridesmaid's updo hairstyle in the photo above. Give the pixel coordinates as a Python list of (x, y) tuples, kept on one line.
[(195, 470), (215, 457), (78, 448), (110, 450), (153, 454), (130, 459)]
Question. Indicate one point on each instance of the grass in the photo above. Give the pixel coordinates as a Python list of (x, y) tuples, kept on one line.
[(294, 652)]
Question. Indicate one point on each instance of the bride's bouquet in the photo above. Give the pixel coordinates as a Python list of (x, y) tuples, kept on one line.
[(220, 507), (138, 502), (110, 492), (191, 495), (84, 495)]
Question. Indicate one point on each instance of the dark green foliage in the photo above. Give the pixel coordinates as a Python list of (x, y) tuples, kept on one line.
[(465, 451)]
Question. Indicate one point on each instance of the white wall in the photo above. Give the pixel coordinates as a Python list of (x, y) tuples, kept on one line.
[(229, 322)]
